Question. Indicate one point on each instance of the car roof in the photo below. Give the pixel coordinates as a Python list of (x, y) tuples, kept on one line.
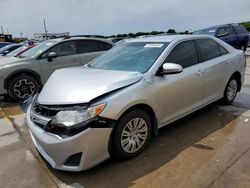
[(222, 25), (78, 38), (168, 38)]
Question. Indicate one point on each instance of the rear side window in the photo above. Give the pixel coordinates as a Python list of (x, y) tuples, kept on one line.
[(88, 46), (223, 51), (208, 49), (102, 46), (183, 54)]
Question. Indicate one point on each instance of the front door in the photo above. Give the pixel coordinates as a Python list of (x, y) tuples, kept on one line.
[(180, 93), (66, 57)]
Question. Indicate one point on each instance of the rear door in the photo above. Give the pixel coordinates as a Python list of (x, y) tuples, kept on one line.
[(89, 49), (214, 60), (180, 93)]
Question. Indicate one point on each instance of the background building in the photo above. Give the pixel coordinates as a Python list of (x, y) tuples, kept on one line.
[(6, 38), (42, 36)]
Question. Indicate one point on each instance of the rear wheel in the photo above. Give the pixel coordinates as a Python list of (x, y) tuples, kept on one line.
[(231, 90), (22, 87), (243, 47), (131, 134)]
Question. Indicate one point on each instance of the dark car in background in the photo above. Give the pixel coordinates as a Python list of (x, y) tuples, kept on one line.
[(234, 34), (249, 40), (2, 44), (9, 48)]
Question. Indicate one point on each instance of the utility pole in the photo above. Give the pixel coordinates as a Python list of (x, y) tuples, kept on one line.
[(2, 29), (45, 29)]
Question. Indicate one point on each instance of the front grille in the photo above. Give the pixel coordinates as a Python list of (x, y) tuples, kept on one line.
[(74, 160)]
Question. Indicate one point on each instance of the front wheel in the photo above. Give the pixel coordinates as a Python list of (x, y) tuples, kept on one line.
[(131, 134), (22, 87), (231, 90)]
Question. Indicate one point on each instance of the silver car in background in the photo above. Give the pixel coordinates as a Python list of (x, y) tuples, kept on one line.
[(22, 76), (113, 105)]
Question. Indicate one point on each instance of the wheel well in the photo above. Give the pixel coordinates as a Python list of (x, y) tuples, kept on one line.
[(30, 73), (238, 76), (150, 112)]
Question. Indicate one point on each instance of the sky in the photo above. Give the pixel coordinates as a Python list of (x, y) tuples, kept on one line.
[(107, 17)]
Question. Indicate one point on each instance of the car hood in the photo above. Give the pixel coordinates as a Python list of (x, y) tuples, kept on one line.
[(82, 84), (8, 60)]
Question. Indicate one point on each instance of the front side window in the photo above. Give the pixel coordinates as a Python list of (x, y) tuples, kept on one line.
[(183, 54), (130, 56), (222, 31), (62, 49), (208, 49), (225, 31), (37, 50)]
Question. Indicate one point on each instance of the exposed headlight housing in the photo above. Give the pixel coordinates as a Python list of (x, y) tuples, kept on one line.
[(74, 118)]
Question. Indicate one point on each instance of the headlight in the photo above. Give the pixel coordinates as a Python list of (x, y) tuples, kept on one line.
[(70, 118)]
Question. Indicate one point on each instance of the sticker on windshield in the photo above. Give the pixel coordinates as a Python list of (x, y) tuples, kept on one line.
[(211, 31), (153, 45)]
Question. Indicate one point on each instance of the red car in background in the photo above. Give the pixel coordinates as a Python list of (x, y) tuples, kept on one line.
[(19, 51)]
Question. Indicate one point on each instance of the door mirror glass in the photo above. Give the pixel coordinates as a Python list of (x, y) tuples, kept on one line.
[(170, 68), (52, 55)]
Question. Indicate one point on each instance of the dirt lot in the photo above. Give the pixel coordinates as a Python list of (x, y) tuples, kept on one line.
[(209, 148)]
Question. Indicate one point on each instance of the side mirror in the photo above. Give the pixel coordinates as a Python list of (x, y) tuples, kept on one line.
[(51, 55), (170, 68), (222, 34)]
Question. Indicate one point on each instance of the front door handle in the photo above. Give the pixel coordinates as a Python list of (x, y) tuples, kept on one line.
[(74, 59), (198, 73)]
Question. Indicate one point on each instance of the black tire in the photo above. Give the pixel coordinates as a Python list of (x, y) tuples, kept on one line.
[(226, 99), (117, 150), (28, 84), (243, 47)]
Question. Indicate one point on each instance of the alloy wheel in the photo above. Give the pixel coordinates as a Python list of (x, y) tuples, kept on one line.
[(24, 88), (232, 90), (134, 135)]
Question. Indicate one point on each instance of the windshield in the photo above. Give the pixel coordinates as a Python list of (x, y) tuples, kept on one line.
[(133, 56), (37, 49), (16, 51), (210, 31)]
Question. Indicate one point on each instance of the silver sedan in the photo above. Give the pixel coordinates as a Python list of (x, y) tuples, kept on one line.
[(113, 105)]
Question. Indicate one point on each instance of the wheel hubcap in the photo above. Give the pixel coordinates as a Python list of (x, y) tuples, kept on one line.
[(134, 135), (24, 88), (231, 90)]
